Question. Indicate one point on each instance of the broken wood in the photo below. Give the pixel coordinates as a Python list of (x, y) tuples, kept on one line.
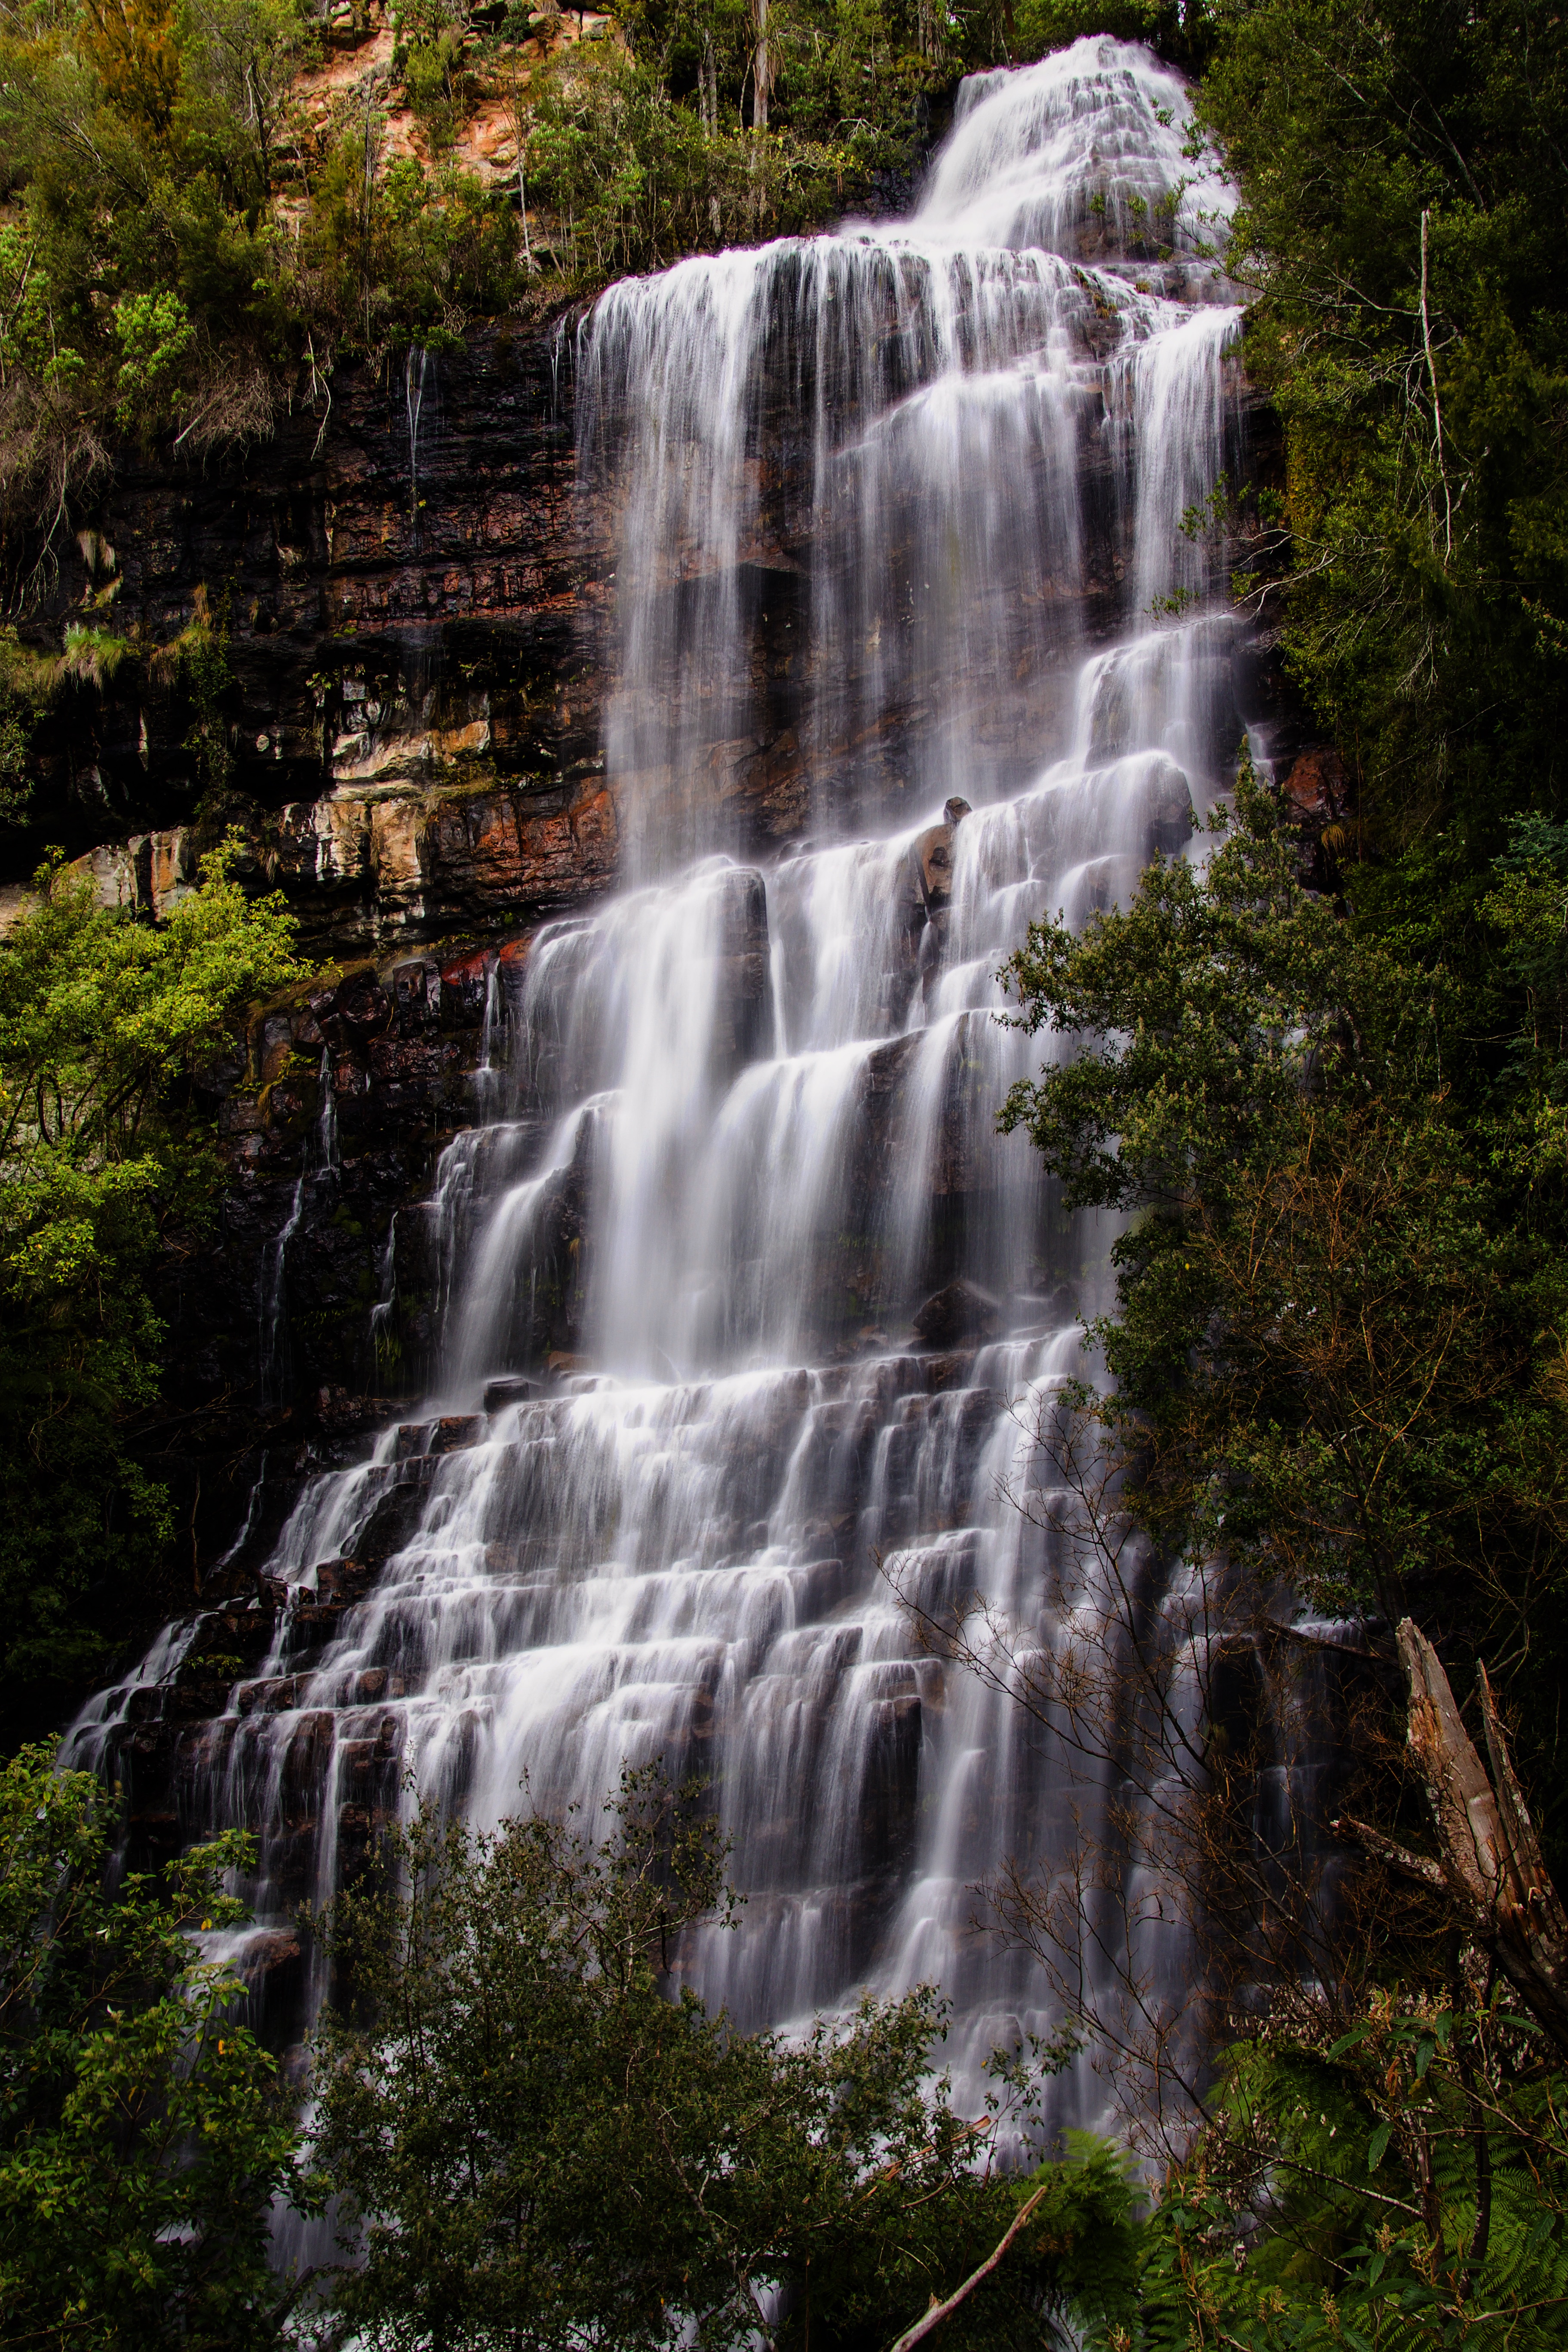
[(1489, 1856), (940, 2311)]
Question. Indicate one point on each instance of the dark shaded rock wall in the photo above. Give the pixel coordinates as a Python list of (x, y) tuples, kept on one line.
[(410, 722)]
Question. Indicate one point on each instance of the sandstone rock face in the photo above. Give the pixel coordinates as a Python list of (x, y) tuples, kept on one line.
[(410, 729), (362, 869), (419, 631)]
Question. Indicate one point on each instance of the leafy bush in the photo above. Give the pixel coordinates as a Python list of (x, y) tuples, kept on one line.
[(142, 2132), (540, 2136), (102, 1021)]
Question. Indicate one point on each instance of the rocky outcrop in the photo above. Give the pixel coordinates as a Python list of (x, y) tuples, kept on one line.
[(396, 700), (407, 604), (360, 870), (957, 1313)]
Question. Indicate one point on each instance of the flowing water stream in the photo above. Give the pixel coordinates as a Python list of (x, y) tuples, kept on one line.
[(895, 507)]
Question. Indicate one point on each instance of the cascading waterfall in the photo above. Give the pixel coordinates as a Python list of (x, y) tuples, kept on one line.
[(894, 509)]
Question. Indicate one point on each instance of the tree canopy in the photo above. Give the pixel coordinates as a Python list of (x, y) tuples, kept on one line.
[(143, 2128), (541, 2138), (104, 1149)]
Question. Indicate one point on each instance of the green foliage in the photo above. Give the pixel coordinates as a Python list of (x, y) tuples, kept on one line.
[(542, 2137), (401, 256), (101, 1023), (1183, 34), (1338, 1358), (28, 336), (155, 332), (1402, 167), (27, 684), (1399, 2185), (1342, 1310), (142, 2135), (198, 657)]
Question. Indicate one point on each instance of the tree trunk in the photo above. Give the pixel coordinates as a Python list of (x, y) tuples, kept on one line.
[(1488, 1854), (761, 66), (523, 207)]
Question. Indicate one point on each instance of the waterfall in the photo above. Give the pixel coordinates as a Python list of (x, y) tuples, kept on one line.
[(894, 509), (319, 1165)]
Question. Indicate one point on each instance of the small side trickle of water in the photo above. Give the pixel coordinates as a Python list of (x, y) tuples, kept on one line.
[(416, 371), (319, 1167)]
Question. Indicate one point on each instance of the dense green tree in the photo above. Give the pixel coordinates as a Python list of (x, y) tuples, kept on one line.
[(1335, 1171), (143, 2136), (1338, 1348), (103, 1021), (540, 2137), (1402, 169)]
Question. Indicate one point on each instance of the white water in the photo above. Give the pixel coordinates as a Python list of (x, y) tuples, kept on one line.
[(955, 454)]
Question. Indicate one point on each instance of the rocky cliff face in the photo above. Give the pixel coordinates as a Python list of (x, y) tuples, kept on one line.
[(412, 598), (417, 596), (404, 722)]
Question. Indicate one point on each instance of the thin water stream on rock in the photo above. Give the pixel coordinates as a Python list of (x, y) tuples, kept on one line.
[(904, 499)]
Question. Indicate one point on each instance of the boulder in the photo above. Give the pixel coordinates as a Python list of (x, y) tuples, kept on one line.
[(455, 1431), (930, 861), (959, 1312)]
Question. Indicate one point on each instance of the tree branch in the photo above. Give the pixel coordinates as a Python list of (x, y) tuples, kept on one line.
[(941, 2311)]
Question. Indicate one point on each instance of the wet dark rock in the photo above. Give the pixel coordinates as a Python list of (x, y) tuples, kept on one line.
[(1316, 792), (341, 1412), (511, 1389), (743, 952), (381, 656), (391, 1525), (930, 870), (464, 984), (456, 1431), (345, 1580), (960, 1311), (1044, 1310)]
